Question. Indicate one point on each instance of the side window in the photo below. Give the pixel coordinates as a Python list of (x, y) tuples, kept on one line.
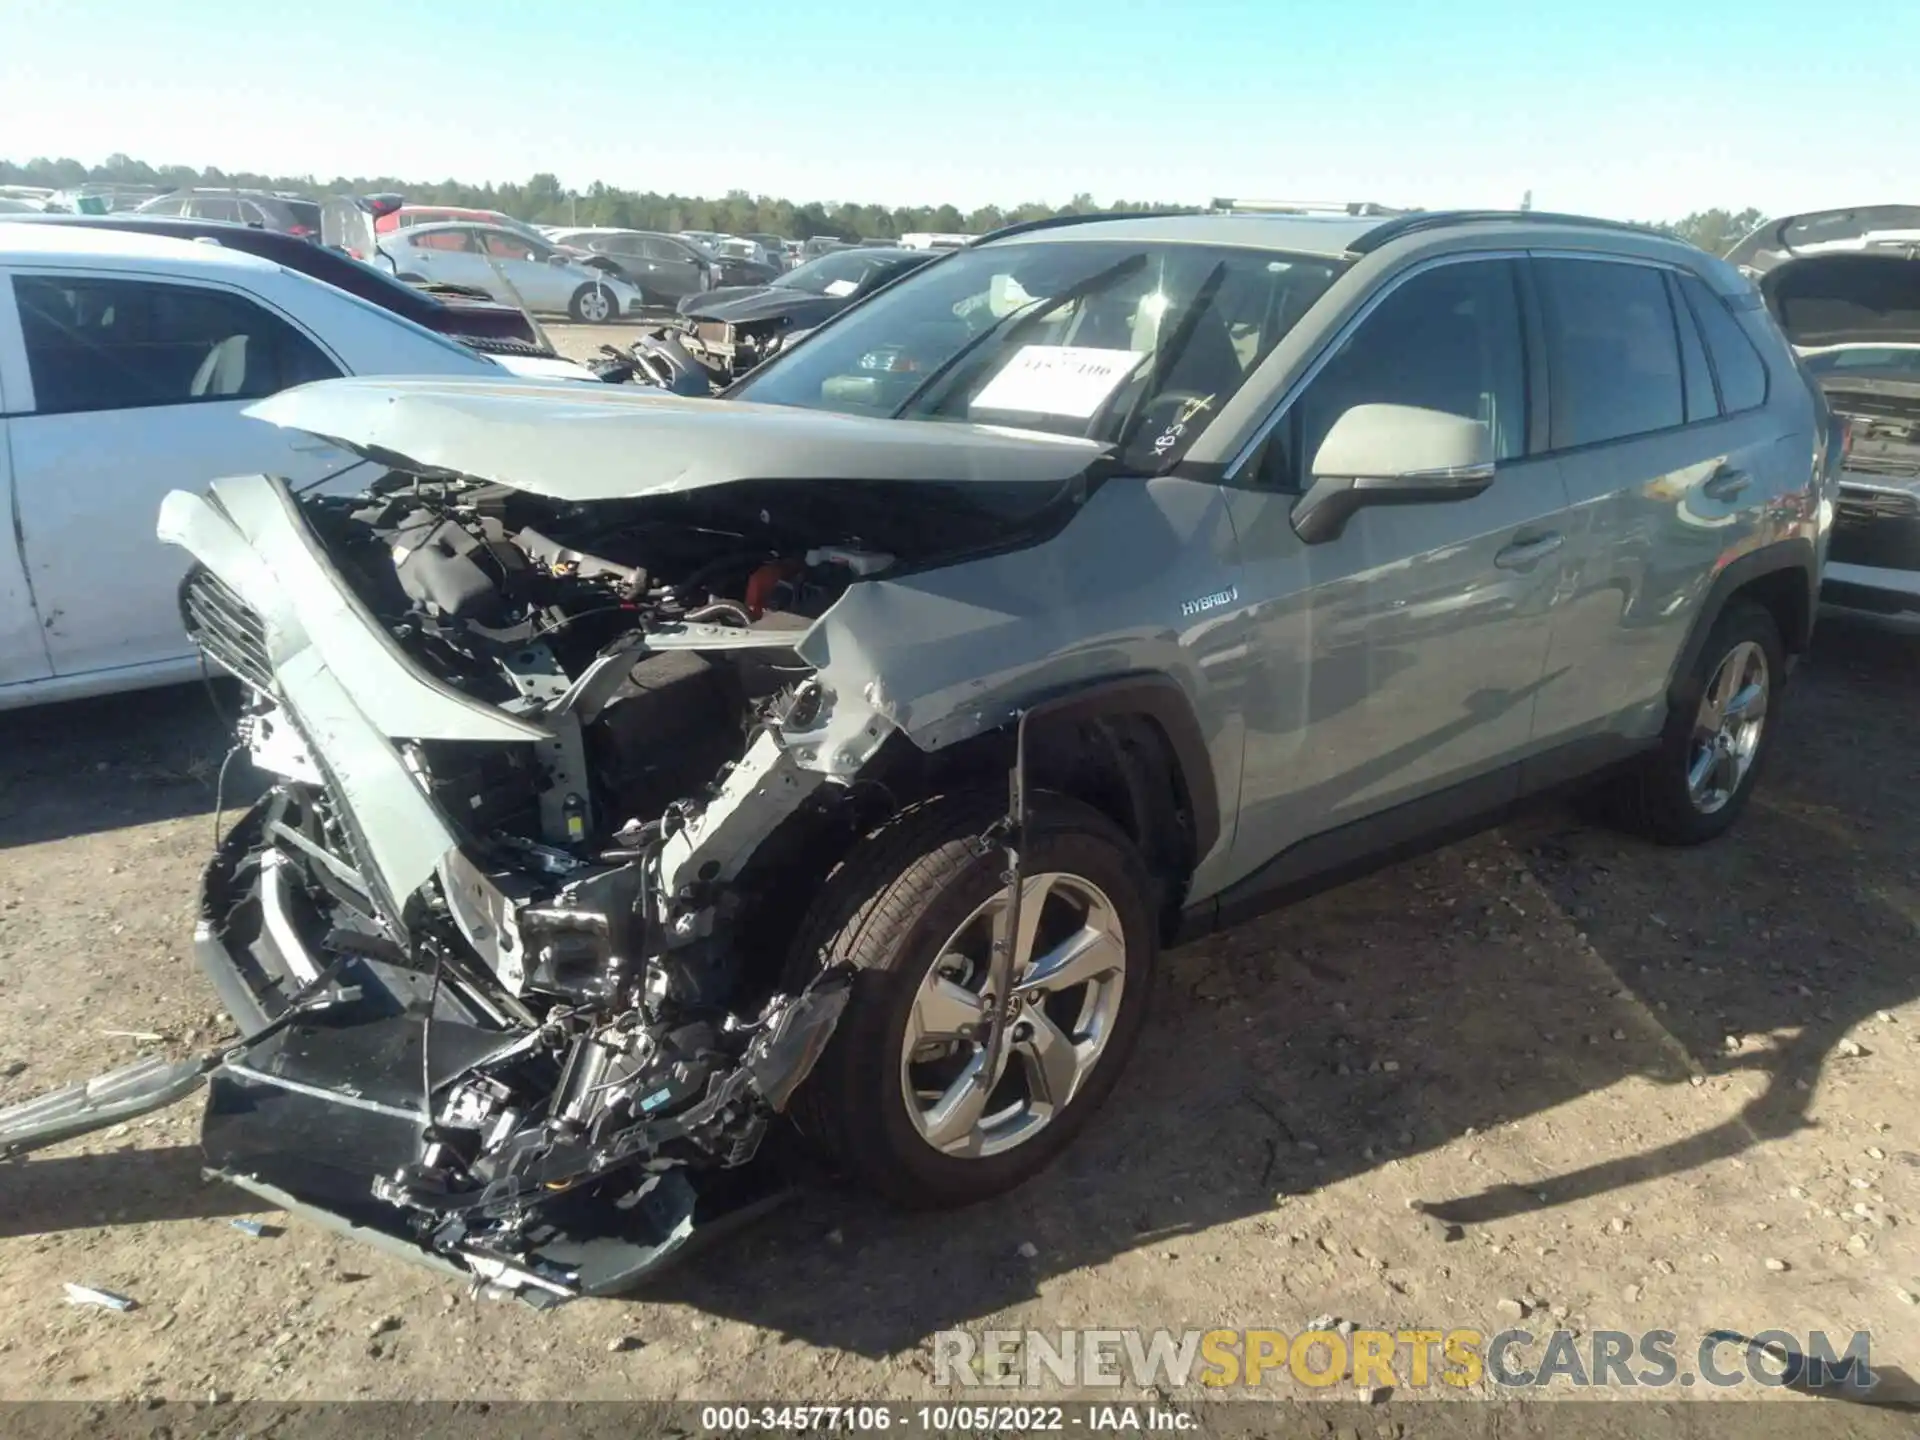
[(1741, 371), (215, 207), (1447, 339), (507, 247), (443, 240), (1702, 403), (1613, 354), (97, 344)]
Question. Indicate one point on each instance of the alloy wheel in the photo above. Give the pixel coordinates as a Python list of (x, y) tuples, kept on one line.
[(1069, 969), (1727, 728)]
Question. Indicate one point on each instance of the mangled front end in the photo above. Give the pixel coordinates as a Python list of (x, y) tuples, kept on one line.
[(513, 923)]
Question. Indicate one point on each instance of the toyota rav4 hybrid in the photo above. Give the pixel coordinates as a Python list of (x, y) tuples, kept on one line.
[(652, 772)]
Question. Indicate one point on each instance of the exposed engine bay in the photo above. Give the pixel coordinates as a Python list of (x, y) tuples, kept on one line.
[(571, 722), (580, 1007)]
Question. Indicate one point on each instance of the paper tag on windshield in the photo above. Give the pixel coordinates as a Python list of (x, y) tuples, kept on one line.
[(1068, 380), (837, 288)]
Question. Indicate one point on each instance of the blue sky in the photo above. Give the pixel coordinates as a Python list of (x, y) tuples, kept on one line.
[(1636, 108)]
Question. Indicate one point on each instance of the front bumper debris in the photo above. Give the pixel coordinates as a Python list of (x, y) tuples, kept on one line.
[(324, 1115), (133, 1090)]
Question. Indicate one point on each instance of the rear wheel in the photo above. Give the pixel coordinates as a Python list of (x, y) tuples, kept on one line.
[(1694, 786), (906, 1099)]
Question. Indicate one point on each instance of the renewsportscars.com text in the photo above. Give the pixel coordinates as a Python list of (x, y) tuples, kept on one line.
[(1462, 1359)]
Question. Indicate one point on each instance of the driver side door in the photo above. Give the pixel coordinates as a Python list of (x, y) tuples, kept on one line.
[(1396, 664), (541, 286)]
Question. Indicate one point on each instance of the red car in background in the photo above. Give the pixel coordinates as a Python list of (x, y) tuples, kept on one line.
[(404, 217)]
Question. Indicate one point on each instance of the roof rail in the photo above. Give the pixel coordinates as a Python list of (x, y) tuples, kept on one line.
[(1022, 227), (1392, 229), (1356, 208)]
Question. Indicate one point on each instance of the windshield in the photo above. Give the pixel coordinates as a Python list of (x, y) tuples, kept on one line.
[(1135, 343), (840, 273)]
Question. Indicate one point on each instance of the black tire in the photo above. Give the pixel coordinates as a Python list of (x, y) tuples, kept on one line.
[(576, 307), (886, 910), (1653, 799)]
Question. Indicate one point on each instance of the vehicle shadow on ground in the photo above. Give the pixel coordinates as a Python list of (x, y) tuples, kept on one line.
[(120, 1187), (91, 765), (1439, 998)]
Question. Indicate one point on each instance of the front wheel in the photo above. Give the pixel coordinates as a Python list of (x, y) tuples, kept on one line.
[(592, 305), (906, 1098), (1694, 786)]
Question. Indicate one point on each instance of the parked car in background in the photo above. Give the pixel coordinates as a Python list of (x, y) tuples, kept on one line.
[(512, 267), (814, 246), (738, 247), (11, 206), (729, 268), (928, 240), (1845, 287), (126, 361), (664, 268), (734, 329), (1177, 567), (271, 210), (100, 199), (405, 217), (482, 324), (36, 196), (777, 248)]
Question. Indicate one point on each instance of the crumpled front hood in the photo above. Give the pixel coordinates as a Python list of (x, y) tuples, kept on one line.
[(576, 442), (772, 303)]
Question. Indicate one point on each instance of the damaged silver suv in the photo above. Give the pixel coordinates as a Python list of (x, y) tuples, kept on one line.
[(652, 772)]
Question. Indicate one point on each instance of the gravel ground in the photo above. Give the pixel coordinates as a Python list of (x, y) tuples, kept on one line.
[(1548, 1071)]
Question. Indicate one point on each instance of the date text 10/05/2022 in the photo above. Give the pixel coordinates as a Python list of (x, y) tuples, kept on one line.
[(942, 1418)]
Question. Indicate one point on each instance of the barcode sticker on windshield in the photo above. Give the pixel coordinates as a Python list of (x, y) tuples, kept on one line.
[(1070, 380)]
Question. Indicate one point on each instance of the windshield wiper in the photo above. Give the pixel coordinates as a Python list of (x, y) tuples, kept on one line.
[(1030, 313)]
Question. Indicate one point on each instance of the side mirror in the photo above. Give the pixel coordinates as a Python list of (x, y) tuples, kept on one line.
[(559, 259), (1392, 455)]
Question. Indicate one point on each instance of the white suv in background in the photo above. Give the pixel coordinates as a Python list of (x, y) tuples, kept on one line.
[(125, 363)]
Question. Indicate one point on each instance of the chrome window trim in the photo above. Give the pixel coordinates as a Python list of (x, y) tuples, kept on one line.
[(1359, 317)]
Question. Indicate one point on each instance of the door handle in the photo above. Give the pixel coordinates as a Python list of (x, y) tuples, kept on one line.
[(1726, 485), (1523, 553)]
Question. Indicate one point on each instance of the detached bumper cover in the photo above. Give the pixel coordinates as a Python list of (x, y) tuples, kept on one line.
[(136, 1089)]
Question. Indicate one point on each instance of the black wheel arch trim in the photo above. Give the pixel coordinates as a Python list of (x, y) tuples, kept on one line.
[(1777, 558), (1158, 698)]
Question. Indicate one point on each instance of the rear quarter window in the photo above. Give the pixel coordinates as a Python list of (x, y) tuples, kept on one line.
[(1736, 364)]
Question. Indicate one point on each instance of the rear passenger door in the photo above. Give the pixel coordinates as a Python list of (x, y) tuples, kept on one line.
[(1669, 455), (136, 388)]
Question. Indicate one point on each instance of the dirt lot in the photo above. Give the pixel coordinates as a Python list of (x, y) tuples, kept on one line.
[(1617, 1086)]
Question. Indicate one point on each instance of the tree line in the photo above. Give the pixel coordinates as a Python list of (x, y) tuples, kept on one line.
[(542, 200)]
